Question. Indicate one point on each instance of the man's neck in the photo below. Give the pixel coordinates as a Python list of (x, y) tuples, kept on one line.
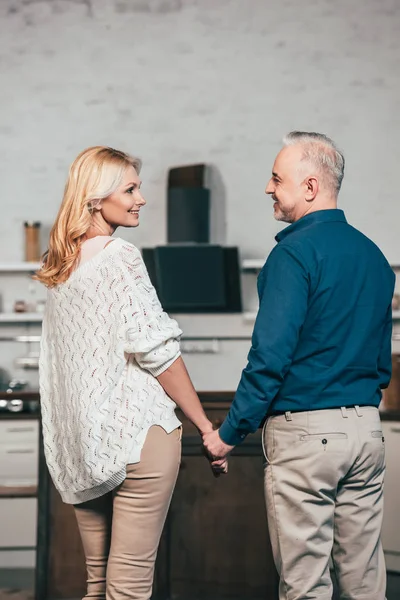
[(326, 204)]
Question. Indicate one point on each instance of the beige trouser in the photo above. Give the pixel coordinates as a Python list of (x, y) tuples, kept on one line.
[(324, 494), (121, 530)]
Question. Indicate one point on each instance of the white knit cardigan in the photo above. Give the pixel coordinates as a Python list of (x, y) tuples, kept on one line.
[(105, 338)]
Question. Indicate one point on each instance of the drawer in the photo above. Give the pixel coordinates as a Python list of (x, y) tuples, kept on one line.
[(19, 464), (19, 430), (17, 559), (18, 522)]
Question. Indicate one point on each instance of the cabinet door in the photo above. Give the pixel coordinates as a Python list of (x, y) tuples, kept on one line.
[(18, 464), (18, 522), (217, 532), (391, 521)]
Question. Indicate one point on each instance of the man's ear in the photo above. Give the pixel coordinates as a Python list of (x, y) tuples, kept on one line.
[(312, 187)]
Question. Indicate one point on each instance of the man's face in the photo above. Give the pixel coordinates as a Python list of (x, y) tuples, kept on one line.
[(287, 187)]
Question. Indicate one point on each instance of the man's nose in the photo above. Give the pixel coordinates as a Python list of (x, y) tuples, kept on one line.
[(270, 188)]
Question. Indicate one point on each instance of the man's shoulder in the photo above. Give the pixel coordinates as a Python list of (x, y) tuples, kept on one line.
[(290, 250), (367, 245)]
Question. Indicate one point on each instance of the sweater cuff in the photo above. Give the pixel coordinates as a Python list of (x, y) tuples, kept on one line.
[(156, 371), (230, 435)]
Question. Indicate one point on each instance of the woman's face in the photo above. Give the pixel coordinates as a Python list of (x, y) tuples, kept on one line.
[(121, 208)]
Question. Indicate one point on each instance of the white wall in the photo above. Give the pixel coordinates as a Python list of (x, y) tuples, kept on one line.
[(219, 81), (215, 81)]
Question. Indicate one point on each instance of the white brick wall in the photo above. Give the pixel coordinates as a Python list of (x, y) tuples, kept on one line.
[(219, 81), (178, 81)]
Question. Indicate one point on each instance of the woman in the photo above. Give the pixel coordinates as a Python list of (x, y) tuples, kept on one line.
[(110, 378)]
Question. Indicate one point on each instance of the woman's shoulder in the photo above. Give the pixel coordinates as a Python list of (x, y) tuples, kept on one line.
[(124, 248), (126, 255)]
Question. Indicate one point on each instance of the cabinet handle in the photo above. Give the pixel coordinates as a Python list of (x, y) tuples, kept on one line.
[(192, 346), (18, 451), (19, 429)]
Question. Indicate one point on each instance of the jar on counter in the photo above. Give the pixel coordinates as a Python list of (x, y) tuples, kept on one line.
[(20, 306), (32, 241)]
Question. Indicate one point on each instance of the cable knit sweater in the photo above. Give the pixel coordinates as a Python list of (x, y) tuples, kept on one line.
[(105, 338)]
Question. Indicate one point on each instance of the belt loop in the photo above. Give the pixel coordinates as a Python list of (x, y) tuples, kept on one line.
[(288, 415), (344, 412), (358, 410)]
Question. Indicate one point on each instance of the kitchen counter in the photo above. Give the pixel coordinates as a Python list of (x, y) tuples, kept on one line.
[(212, 397), (25, 393), (20, 416), (390, 415)]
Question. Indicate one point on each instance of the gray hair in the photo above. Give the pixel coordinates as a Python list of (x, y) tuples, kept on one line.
[(323, 153)]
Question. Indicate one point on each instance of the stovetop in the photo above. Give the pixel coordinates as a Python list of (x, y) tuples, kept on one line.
[(24, 402)]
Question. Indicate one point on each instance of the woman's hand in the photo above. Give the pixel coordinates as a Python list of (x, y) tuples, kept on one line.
[(219, 467)]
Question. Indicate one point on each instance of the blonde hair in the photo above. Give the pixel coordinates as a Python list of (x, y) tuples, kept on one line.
[(95, 174)]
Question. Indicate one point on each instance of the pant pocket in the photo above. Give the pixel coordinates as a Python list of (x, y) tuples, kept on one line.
[(326, 441), (377, 445), (267, 441), (378, 434), (309, 437)]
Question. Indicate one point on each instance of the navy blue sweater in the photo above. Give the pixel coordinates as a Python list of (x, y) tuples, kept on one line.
[(322, 337)]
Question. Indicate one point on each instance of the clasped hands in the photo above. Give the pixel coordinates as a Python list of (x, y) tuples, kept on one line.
[(216, 451)]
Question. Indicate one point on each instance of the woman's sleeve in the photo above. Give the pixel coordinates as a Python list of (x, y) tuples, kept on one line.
[(149, 333)]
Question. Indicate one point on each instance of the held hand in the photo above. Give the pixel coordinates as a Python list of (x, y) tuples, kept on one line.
[(219, 467), (214, 446)]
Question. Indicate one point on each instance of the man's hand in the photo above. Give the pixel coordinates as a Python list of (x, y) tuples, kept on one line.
[(215, 447)]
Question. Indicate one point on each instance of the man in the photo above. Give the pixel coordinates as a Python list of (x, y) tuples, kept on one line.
[(320, 355)]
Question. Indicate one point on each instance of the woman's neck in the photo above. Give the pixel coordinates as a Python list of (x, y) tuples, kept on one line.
[(96, 229)]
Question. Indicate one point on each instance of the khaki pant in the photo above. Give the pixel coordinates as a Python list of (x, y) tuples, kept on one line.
[(121, 530), (324, 494)]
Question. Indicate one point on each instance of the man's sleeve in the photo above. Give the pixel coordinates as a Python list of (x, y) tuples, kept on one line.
[(283, 290)]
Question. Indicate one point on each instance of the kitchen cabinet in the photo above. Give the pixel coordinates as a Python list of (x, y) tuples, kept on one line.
[(215, 543), (18, 485), (391, 520)]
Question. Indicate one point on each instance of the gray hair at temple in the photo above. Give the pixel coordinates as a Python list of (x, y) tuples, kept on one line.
[(322, 152)]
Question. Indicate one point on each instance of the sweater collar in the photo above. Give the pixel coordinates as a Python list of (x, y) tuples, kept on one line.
[(319, 216)]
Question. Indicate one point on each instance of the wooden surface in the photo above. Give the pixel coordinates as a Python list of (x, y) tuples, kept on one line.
[(28, 491), (25, 394), (23, 416), (391, 396), (66, 577), (60, 563), (218, 539)]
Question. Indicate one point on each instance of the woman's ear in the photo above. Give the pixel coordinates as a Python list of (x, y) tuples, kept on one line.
[(94, 205)]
